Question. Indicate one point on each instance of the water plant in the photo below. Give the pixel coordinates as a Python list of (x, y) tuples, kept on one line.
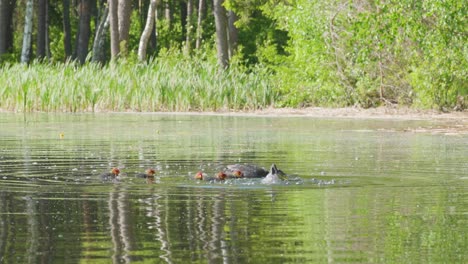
[(164, 84)]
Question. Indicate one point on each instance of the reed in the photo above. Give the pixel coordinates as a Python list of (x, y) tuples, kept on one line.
[(164, 84)]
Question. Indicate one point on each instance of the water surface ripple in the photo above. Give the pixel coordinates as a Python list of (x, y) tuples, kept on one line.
[(357, 191)]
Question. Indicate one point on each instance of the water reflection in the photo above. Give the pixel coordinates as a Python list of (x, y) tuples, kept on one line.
[(219, 225), (353, 195)]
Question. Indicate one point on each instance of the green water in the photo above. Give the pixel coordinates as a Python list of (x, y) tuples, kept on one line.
[(358, 191)]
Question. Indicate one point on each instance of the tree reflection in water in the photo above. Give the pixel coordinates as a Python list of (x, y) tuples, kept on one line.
[(121, 226)]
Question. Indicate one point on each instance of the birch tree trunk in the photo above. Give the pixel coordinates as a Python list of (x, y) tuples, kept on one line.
[(100, 38), (189, 26), (221, 33), (201, 12), (28, 25), (147, 31)]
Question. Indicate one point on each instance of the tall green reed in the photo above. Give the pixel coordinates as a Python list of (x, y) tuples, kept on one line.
[(169, 83)]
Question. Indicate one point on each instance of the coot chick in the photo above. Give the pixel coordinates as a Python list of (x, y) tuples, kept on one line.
[(220, 176), (149, 173), (110, 175)]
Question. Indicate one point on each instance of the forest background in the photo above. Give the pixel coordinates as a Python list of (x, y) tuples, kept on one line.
[(196, 55)]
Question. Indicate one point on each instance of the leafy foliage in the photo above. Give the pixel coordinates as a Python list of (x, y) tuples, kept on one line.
[(310, 52)]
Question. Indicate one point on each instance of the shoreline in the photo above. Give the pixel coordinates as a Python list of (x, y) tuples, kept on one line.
[(403, 113), (451, 123)]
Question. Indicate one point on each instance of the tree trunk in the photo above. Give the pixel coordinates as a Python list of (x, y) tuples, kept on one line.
[(183, 19), (153, 41), (6, 22), (168, 13), (67, 29), (42, 30), (233, 33), (28, 25), (114, 29), (147, 31), (47, 32), (201, 12), (124, 12), (221, 33), (84, 30), (189, 26), (100, 38)]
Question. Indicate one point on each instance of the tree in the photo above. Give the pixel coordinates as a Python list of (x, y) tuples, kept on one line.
[(42, 29), (189, 26), (119, 18), (28, 26), (221, 33), (84, 30), (148, 30), (183, 19), (233, 33), (114, 28), (124, 13), (99, 39), (201, 13), (67, 29), (168, 14), (6, 31)]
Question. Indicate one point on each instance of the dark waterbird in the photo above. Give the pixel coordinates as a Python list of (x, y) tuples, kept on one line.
[(274, 176), (248, 171)]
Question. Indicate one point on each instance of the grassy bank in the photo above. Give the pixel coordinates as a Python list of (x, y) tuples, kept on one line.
[(176, 84)]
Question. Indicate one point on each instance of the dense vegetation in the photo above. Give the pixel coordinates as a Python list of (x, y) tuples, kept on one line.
[(281, 53)]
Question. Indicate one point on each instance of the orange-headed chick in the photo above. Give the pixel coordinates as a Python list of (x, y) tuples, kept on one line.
[(238, 174), (221, 176), (199, 175), (111, 175), (149, 173)]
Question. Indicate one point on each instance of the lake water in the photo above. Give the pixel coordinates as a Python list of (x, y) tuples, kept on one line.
[(357, 191)]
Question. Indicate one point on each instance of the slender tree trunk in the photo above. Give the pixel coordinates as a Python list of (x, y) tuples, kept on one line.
[(100, 38), (233, 33), (169, 19), (84, 31), (6, 22), (147, 31), (189, 26), (143, 6), (42, 30), (67, 29), (183, 19), (201, 13), (221, 33), (47, 32), (114, 29), (168, 13), (153, 41), (124, 12), (28, 25)]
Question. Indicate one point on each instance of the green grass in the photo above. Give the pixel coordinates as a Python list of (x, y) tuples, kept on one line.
[(170, 83)]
